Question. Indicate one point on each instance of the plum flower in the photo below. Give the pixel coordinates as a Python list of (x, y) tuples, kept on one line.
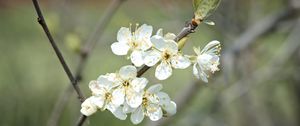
[(104, 97), (88, 107), (155, 105), (165, 50), (137, 42), (207, 60), (130, 86)]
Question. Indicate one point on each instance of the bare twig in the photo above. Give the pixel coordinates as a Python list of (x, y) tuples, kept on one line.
[(85, 53), (272, 67), (42, 22)]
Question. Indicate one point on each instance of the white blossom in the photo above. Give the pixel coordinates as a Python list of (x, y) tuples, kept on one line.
[(105, 97), (87, 107), (166, 51), (207, 60), (155, 105), (136, 41), (130, 86)]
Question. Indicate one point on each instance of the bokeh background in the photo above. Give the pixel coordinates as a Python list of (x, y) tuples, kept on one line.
[(258, 84)]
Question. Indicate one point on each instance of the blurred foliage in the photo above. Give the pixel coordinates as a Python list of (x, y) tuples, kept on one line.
[(31, 78)]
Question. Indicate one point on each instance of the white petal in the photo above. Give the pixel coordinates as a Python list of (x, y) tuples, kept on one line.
[(111, 107), (172, 46), (210, 45), (152, 57), (138, 84), (160, 32), (119, 48), (105, 83), (128, 72), (133, 99), (158, 42), (145, 31), (137, 58), (170, 36), (164, 98), (98, 100), (163, 71), (195, 71), (118, 96), (88, 108), (95, 87), (127, 108), (155, 88), (119, 113), (180, 62), (154, 112), (124, 35), (170, 108), (137, 116)]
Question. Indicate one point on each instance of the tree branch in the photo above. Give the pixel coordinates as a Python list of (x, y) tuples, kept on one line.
[(42, 22), (84, 55)]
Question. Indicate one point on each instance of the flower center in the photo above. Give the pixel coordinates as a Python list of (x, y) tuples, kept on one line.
[(166, 55), (108, 96), (134, 44), (125, 83), (145, 101)]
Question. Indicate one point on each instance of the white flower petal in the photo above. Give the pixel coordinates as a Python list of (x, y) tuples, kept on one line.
[(158, 42), (134, 99), (154, 88), (160, 32), (138, 84), (145, 31), (98, 100), (195, 71), (180, 62), (118, 96), (170, 36), (137, 116), (105, 83), (164, 98), (127, 108), (172, 46), (152, 57), (210, 45), (95, 87), (88, 108), (119, 113), (170, 109), (137, 58), (119, 48), (128, 72), (111, 107), (154, 112), (124, 35), (163, 71)]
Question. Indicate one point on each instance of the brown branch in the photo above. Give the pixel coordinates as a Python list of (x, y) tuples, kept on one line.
[(42, 22), (84, 55)]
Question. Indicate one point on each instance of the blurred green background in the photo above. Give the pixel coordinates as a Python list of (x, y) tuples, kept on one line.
[(257, 85)]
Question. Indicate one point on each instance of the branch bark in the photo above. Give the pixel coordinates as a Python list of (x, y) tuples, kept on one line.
[(84, 55), (58, 53)]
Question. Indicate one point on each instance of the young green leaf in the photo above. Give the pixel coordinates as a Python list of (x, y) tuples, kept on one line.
[(203, 8)]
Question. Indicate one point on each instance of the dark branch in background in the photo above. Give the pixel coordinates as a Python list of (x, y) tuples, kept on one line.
[(42, 22), (84, 55), (272, 21)]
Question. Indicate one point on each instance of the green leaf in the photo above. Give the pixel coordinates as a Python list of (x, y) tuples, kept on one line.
[(203, 8)]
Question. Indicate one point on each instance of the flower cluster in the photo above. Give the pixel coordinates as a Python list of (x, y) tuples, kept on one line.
[(124, 93), (163, 50)]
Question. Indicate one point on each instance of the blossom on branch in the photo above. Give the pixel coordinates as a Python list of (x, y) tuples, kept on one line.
[(165, 50), (137, 42)]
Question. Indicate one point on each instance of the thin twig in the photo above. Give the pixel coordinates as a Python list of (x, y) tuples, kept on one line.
[(42, 22), (84, 55)]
